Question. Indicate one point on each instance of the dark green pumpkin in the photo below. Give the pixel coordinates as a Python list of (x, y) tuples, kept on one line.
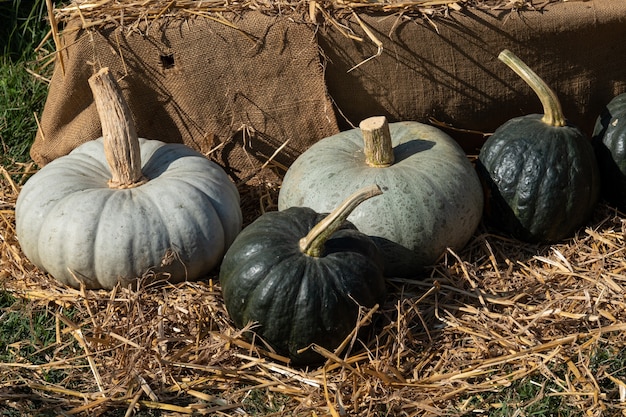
[(296, 296), (609, 139), (539, 171)]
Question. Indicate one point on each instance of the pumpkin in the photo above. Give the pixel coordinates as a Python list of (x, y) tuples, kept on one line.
[(118, 207), (433, 198), (539, 171), (609, 140), (302, 277)]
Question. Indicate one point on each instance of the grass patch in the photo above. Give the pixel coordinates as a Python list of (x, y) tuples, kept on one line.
[(23, 333), (541, 396), (527, 397), (259, 402), (26, 331), (609, 363), (29, 334), (24, 28), (22, 96)]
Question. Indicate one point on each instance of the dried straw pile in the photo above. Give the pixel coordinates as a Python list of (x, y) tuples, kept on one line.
[(496, 313), (127, 13)]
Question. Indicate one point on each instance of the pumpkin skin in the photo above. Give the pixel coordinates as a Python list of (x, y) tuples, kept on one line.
[(72, 225), (295, 298), (609, 140), (540, 172), (542, 181), (432, 197)]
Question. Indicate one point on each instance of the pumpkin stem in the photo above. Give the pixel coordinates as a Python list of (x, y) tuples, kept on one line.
[(552, 112), (121, 143), (313, 243), (377, 138)]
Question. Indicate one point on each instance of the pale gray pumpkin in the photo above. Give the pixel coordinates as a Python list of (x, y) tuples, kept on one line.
[(178, 218), (432, 197)]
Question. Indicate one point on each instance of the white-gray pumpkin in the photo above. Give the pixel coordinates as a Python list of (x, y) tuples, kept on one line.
[(72, 225), (432, 196), (177, 220)]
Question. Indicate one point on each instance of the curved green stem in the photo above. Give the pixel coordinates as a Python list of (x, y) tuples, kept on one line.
[(552, 112), (313, 243)]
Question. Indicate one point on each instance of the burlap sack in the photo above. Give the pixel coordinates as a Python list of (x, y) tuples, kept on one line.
[(447, 69), (239, 92), (244, 92)]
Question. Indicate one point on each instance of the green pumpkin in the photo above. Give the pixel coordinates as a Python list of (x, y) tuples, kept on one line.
[(301, 277), (609, 139), (118, 207), (433, 198), (539, 171)]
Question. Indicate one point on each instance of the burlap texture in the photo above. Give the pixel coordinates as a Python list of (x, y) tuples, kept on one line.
[(241, 92), (447, 69), (244, 92)]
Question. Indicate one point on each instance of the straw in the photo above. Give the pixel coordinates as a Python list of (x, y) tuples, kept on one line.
[(485, 318), (129, 13)]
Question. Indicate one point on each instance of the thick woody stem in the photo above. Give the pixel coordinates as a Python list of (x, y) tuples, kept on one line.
[(313, 243), (121, 143), (377, 140)]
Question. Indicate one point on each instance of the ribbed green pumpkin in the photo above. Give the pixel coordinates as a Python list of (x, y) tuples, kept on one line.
[(301, 277), (95, 218), (609, 139), (433, 198), (539, 171)]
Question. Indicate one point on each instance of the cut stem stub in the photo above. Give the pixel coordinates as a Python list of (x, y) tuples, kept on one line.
[(121, 143), (313, 243), (377, 142)]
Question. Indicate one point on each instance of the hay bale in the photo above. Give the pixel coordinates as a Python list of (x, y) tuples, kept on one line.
[(249, 82)]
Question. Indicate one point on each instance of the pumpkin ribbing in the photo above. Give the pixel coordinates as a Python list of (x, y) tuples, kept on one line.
[(539, 171), (432, 196), (88, 227), (297, 299)]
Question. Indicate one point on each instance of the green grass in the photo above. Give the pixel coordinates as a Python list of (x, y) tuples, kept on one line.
[(21, 97), (261, 402), (530, 395), (22, 28), (538, 396), (26, 333), (609, 360)]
